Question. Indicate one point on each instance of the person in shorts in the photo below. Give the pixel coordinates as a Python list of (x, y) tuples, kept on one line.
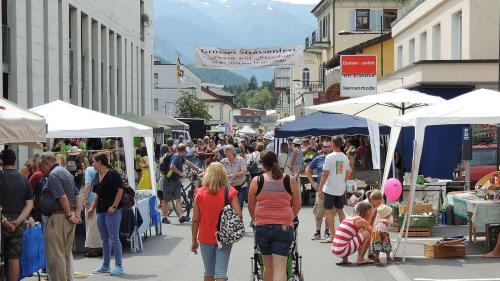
[(332, 188), (16, 199), (316, 165), (172, 185)]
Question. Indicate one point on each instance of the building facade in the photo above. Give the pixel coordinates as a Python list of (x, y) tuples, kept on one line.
[(343, 24), (445, 47), (220, 105), (92, 53), (306, 84), (168, 88)]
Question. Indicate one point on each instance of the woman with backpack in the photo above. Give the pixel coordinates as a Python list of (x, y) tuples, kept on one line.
[(273, 202), (208, 203)]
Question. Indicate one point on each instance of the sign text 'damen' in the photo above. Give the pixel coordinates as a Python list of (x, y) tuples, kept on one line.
[(358, 75)]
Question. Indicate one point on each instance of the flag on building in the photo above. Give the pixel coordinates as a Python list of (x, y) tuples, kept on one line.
[(179, 70)]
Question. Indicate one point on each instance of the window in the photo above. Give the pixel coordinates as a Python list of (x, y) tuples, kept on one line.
[(362, 19), (436, 42), (156, 80), (389, 17), (411, 51), (156, 104), (456, 36), (325, 28), (306, 77), (423, 46), (399, 59)]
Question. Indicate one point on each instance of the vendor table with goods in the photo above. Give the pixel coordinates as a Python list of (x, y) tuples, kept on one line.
[(433, 193), (137, 221), (476, 209)]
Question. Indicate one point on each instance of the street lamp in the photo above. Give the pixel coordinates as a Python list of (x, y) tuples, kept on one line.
[(381, 33)]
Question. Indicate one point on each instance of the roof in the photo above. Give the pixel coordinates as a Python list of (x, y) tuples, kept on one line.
[(211, 92), (335, 61), (318, 6), (219, 91), (18, 125)]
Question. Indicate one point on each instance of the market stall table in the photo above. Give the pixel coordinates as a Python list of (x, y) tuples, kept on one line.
[(433, 192), (476, 210)]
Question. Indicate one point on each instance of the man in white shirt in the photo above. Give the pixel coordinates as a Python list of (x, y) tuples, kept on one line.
[(336, 171)]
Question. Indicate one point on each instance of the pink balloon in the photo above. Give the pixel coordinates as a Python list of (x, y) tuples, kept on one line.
[(393, 189)]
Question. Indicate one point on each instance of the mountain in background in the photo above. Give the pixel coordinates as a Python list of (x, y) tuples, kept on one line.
[(182, 24)]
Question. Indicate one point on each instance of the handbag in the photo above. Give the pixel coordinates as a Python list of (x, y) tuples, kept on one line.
[(230, 227), (128, 197)]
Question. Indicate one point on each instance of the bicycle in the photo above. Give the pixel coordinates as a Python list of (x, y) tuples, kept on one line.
[(187, 195)]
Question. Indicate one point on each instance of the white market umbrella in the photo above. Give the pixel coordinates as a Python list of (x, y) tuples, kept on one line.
[(247, 130), (18, 125), (381, 108), (476, 107), (285, 120)]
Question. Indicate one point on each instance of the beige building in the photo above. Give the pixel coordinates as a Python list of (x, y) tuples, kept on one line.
[(445, 46), (220, 104), (306, 84)]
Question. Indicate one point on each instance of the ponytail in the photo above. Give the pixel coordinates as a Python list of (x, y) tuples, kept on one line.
[(270, 162)]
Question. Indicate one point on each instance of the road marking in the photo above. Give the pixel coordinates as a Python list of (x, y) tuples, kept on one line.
[(397, 273), (424, 257), (474, 279)]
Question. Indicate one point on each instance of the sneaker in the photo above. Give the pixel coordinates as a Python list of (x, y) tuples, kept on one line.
[(316, 236), (326, 235), (102, 269), (165, 220), (118, 270)]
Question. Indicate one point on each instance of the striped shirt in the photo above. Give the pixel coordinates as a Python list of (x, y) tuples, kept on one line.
[(347, 239)]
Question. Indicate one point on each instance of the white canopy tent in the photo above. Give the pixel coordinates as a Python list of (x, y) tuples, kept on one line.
[(18, 125), (286, 120), (165, 120), (476, 107), (247, 130), (66, 120)]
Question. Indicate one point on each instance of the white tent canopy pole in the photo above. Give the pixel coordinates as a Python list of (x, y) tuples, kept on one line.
[(393, 140)]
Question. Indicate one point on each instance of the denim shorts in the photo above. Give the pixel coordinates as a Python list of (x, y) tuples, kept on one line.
[(274, 239), (215, 260)]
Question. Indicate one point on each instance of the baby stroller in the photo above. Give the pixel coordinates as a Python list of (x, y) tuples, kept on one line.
[(294, 261)]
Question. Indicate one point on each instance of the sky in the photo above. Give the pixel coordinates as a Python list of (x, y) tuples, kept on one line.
[(312, 2)]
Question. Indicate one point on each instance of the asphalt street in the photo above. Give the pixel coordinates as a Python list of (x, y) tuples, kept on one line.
[(168, 257)]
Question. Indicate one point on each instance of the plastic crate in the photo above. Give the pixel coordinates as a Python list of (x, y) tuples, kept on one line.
[(417, 209), (419, 221)]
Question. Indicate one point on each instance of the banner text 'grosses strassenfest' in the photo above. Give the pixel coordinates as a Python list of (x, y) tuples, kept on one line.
[(208, 57)]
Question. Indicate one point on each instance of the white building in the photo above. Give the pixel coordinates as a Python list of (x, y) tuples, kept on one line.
[(445, 47), (92, 53), (167, 88)]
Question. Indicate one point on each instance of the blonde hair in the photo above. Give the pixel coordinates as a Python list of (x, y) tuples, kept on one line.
[(215, 177), (376, 194)]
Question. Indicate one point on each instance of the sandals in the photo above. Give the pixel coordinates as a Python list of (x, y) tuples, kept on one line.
[(343, 263), (327, 240), (368, 262)]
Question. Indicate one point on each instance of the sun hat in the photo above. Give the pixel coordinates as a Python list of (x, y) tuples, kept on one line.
[(384, 210), (268, 136), (297, 141), (74, 150)]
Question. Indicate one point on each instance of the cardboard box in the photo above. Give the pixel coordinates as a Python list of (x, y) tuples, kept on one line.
[(438, 251)]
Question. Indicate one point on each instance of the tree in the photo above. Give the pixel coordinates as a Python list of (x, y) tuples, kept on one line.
[(253, 85), (189, 106), (261, 99)]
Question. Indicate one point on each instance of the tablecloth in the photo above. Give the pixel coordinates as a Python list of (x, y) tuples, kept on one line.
[(483, 211)]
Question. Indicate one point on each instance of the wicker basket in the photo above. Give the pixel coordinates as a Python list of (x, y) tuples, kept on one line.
[(419, 221), (417, 209)]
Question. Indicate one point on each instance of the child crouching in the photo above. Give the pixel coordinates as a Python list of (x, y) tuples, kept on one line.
[(353, 235)]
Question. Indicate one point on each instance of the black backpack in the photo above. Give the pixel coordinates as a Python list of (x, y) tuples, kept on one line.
[(165, 163), (252, 165), (286, 183)]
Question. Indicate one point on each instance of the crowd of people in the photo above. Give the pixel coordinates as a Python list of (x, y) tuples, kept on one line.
[(266, 180)]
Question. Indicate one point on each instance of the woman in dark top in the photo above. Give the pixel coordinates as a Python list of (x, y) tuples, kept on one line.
[(108, 188)]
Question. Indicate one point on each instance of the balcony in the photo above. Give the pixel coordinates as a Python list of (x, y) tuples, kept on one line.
[(308, 86), (315, 43), (408, 6), (5, 45)]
